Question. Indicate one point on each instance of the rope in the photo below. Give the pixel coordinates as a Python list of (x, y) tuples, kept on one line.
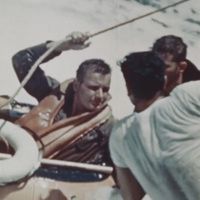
[(137, 18), (30, 73), (41, 58), (32, 70)]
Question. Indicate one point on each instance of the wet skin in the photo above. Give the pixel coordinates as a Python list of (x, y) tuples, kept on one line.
[(173, 71), (92, 93)]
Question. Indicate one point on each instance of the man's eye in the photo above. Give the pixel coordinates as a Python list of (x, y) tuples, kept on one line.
[(167, 66), (93, 88), (106, 89)]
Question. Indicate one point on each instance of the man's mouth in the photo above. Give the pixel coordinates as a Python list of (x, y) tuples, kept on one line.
[(97, 103)]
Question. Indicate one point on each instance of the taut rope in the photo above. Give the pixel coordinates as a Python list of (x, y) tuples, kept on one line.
[(32, 70), (34, 67), (28, 76), (137, 18)]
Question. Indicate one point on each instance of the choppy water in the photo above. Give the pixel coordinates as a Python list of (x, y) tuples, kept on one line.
[(28, 22)]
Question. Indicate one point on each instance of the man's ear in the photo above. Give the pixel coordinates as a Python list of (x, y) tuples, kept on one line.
[(76, 85), (182, 66), (165, 83)]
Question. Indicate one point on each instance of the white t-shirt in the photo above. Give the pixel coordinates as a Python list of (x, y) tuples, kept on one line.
[(176, 122), (137, 142)]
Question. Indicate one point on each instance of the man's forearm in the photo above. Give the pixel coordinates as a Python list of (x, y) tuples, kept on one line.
[(24, 60), (129, 186)]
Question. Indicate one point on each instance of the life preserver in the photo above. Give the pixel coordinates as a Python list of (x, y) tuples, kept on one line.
[(26, 158)]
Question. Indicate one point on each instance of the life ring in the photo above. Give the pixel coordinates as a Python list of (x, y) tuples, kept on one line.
[(26, 158)]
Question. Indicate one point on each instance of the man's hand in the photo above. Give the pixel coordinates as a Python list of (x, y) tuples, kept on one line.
[(75, 41)]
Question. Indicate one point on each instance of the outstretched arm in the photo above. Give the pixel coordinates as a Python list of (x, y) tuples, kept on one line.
[(41, 85), (73, 41), (129, 186)]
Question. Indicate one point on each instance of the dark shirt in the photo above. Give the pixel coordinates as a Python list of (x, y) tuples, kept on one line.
[(40, 86), (191, 73)]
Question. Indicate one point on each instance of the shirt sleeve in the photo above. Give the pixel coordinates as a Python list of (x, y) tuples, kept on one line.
[(176, 121), (116, 146), (188, 95), (39, 84), (177, 118)]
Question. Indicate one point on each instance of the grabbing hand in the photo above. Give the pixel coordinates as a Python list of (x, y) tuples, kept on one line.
[(75, 41)]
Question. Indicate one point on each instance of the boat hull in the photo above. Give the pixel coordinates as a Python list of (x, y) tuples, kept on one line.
[(39, 188)]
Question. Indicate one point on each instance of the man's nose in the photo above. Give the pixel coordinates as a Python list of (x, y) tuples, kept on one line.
[(99, 93)]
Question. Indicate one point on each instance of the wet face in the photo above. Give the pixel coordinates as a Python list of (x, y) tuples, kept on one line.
[(93, 92)]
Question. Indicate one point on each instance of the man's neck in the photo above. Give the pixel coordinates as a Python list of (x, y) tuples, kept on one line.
[(75, 108), (170, 86), (142, 104)]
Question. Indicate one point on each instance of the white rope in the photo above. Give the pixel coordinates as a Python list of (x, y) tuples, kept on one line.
[(32, 70), (137, 18), (30, 73), (41, 58)]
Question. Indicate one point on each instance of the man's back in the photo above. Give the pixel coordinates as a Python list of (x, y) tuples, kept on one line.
[(176, 121), (139, 146)]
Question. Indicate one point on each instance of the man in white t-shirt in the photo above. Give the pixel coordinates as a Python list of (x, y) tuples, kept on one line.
[(176, 125), (145, 159), (136, 173)]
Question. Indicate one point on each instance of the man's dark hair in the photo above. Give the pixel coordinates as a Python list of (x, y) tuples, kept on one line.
[(144, 74), (92, 65), (171, 44)]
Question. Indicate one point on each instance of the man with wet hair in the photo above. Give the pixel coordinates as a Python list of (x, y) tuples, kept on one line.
[(150, 148), (179, 69), (143, 78), (75, 113), (131, 148)]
